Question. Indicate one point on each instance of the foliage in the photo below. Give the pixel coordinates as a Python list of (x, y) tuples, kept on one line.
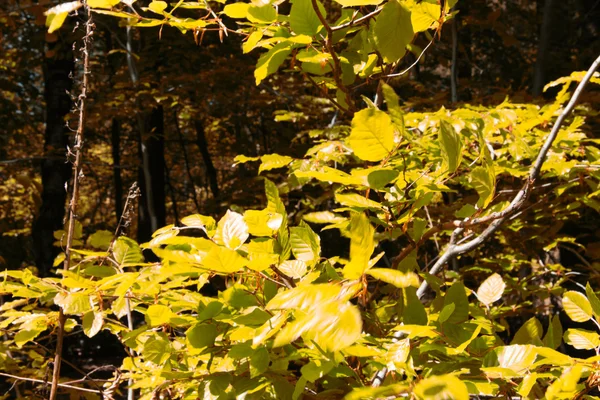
[(294, 321)]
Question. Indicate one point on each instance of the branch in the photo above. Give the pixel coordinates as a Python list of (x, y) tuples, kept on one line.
[(337, 67), (78, 150), (517, 202), (64, 385), (357, 21)]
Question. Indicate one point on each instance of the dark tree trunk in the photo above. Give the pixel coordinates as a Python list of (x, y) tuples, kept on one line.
[(55, 171), (152, 209), (539, 77), (210, 168), (116, 155)]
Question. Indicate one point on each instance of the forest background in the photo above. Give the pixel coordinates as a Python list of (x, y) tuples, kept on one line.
[(172, 111)]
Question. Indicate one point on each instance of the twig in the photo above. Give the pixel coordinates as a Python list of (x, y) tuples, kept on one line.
[(456, 249), (411, 65), (337, 68), (64, 385), (78, 149), (357, 21)]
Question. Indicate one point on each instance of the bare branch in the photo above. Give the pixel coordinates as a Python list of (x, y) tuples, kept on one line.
[(78, 151)]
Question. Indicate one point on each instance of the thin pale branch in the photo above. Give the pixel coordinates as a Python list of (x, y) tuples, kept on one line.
[(63, 385)]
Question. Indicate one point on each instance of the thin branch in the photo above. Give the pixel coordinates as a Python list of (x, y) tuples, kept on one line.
[(78, 149), (357, 21), (63, 385), (337, 66), (411, 65)]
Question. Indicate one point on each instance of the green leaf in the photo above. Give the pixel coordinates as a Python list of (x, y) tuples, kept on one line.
[(577, 306), (200, 336), (457, 295), (101, 239), (372, 134), (295, 269), (304, 19), (491, 289), (451, 145), (593, 299), (529, 333), (424, 15), (126, 252), (356, 200), (73, 303), (516, 358), (582, 339), (247, 47), (158, 315), (272, 161), (394, 277), (259, 362), (362, 245), (157, 349), (55, 21), (236, 10), (156, 6), (413, 311), (446, 312), (263, 15), (441, 387), (270, 62), (369, 392), (262, 222), (224, 260), (306, 244), (92, 323), (554, 334), (232, 230), (207, 224), (323, 217), (483, 180), (393, 31), (316, 369), (379, 178)]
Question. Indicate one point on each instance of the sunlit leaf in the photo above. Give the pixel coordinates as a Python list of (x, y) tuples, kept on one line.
[(577, 306), (491, 289), (362, 245), (304, 19), (529, 333), (395, 277), (484, 182), (105, 3), (157, 315), (451, 145), (582, 339), (593, 299), (232, 230), (92, 323), (372, 134)]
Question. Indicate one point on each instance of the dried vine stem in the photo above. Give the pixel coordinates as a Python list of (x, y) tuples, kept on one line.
[(72, 209), (515, 205)]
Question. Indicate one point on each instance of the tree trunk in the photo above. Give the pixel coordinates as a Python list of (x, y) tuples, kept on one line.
[(539, 77), (58, 66), (210, 168), (152, 209)]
